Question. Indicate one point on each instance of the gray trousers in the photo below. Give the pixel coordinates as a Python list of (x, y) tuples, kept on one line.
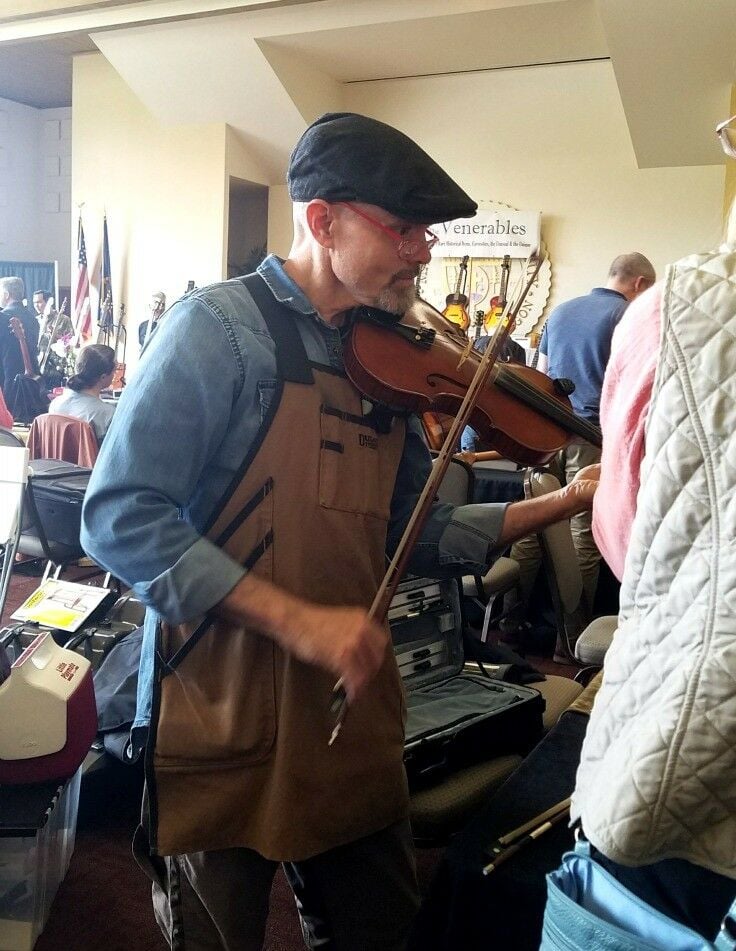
[(570, 460), (565, 466), (356, 897)]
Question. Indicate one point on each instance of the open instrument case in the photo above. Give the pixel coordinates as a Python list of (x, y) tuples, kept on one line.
[(454, 716)]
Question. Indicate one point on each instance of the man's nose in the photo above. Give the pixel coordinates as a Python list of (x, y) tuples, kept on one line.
[(420, 254)]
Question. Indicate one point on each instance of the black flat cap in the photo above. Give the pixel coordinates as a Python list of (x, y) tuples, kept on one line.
[(344, 156)]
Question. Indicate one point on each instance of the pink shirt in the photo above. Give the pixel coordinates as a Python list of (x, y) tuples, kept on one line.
[(625, 398)]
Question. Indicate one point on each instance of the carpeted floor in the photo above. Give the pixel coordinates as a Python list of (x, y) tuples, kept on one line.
[(104, 902)]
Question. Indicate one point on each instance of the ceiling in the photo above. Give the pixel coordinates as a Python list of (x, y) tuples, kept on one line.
[(39, 72), (189, 61)]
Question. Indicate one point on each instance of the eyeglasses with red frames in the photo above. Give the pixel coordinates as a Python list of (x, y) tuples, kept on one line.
[(727, 136), (407, 248)]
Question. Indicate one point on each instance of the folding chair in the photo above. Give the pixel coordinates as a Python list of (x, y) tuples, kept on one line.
[(503, 576), (55, 436), (561, 568)]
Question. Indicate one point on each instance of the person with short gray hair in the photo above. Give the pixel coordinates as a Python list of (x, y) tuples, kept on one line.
[(14, 288), (575, 345), (12, 292), (157, 307), (632, 273)]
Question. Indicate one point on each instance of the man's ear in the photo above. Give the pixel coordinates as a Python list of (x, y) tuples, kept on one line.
[(641, 284), (320, 221)]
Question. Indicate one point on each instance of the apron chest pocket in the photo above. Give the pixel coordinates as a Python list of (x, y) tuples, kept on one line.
[(350, 467)]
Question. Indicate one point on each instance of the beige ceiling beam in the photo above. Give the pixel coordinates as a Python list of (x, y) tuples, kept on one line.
[(674, 66), (266, 17), (25, 19)]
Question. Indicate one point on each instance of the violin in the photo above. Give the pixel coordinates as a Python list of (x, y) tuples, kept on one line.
[(421, 363)]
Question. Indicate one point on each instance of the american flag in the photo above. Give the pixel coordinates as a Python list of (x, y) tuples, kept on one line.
[(82, 310)]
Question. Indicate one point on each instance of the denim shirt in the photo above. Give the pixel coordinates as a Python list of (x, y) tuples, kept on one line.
[(181, 431)]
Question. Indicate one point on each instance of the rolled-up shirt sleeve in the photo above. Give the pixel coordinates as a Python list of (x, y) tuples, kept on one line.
[(455, 539), (170, 422)]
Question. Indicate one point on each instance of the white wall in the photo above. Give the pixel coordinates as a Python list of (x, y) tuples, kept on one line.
[(164, 189), (555, 139), (56, 188), (35, 184)]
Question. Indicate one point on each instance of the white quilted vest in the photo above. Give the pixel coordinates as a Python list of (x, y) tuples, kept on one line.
[(657, 778)]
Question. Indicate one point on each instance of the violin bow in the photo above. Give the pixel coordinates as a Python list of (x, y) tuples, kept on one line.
[(379, 608)]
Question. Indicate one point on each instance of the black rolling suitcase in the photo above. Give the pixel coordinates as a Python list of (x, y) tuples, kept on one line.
[(57, 490), (94, 641), (454, 717)]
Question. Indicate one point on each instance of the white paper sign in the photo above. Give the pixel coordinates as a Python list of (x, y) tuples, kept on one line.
[(490, 234)]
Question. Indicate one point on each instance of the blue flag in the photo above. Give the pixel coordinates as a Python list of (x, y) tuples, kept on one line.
[(105, 316)]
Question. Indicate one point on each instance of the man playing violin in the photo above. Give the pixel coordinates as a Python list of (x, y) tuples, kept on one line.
[(253, 513)]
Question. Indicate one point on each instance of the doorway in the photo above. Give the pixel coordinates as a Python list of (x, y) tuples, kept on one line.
[(247, 226)]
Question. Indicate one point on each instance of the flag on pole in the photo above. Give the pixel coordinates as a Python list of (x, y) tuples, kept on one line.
[(82, 310), (105, 317)]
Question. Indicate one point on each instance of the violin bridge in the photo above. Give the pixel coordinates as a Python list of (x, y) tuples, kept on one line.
[(465, 354)]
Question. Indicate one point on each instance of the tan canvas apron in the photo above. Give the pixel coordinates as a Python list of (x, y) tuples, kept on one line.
[(241, 728)]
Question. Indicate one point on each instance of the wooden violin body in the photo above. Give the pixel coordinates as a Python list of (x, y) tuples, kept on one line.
[(422, 363)]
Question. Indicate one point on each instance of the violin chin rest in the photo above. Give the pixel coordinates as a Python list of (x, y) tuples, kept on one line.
[(376, 316), (564, 386)]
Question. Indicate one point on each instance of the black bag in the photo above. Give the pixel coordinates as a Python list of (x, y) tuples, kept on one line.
[(454, 717), (57, 490), (26, 398)]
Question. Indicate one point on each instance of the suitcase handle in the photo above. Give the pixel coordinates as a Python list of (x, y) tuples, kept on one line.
[(435, 765)]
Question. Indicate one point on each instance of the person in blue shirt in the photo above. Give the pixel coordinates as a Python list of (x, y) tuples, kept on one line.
[(576, 345), (252, 512)]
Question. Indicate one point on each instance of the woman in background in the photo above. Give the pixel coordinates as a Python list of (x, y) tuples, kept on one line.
[(81, 396)]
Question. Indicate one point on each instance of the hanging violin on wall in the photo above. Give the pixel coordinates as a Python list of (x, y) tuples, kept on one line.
[(498, 303), (457, 302)]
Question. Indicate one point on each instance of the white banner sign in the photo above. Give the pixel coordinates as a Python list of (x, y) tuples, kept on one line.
[(491, 234)]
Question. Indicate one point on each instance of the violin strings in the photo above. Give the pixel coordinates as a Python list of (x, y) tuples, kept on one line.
[(516, 385)]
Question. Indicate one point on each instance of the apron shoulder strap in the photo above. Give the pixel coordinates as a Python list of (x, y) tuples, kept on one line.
[(291, 357)]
